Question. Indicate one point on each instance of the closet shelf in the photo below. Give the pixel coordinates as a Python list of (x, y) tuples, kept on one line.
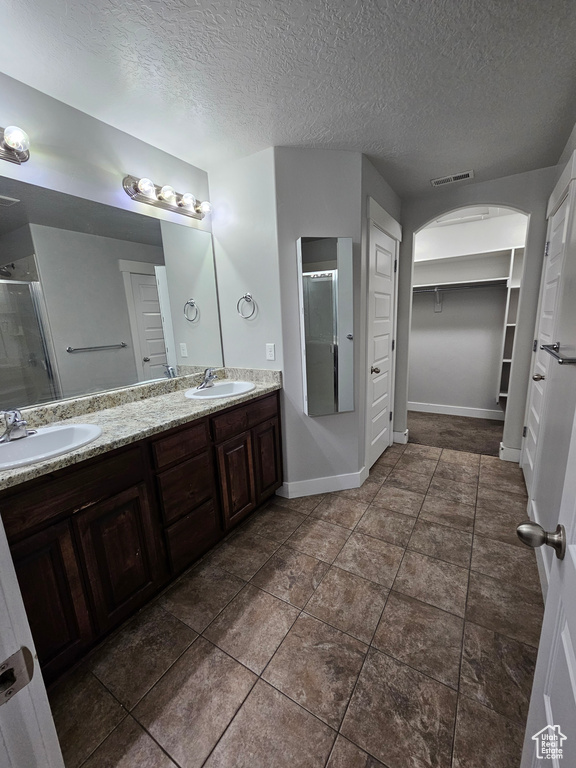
[(460, 285)]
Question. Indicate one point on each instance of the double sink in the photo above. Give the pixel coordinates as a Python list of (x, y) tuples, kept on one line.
[(49, 442)]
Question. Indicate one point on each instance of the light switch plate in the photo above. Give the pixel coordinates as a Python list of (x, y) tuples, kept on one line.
[(183, 349), (270, 352)]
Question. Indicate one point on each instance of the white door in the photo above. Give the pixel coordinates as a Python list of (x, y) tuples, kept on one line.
[(545, 334), (27, 734), (151, 351), (383, 251), (552, 716)]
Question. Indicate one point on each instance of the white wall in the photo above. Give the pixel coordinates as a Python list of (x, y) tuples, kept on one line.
[(493, 234), (318, 195), (455, 354), (527, 192), (246, 253), (74, 153), (85, 300)]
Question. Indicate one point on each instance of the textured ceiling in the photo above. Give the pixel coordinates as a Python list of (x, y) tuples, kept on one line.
[(424, 87)]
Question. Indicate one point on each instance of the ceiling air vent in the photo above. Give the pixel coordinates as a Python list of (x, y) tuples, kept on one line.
[(451, 179), (5, 202)]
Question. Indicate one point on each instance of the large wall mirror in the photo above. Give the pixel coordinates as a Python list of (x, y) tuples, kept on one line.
[(93, 297), (325, 269)]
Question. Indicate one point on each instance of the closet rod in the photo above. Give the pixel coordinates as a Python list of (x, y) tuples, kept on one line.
[(472, 286)]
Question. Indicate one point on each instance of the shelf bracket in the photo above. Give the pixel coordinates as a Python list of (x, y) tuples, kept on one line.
[(437, 300)]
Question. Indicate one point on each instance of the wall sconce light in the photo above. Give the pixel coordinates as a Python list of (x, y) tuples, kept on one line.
[(14, 145), (145, 191)]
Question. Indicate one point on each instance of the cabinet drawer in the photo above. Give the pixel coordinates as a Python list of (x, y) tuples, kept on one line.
[(244, 417), (77, 488), (180, 445), (186, 486), (191, 537)]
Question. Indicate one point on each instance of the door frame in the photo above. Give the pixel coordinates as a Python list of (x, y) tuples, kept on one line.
[(562, 190), (380, 218), (27, 733)]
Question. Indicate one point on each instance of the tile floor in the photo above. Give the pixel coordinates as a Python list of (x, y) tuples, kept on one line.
[(381, 626)]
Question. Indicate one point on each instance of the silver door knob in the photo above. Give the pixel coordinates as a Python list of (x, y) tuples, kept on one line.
[(145, 359), (533, 535), (374, 370), (538, 377)]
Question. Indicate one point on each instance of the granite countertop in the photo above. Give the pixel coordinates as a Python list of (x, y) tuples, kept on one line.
[(131, 421)]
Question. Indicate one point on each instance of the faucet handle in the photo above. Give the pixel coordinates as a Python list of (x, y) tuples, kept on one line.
[(12, 416)]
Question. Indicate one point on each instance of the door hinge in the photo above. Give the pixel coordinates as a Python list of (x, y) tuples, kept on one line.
[(395, 265), (15, 674), (535, 345), (393, 344), (546, 248), (390, 415), (524, 431)]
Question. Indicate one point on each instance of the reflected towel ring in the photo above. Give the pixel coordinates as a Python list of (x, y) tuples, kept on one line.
[(191, 303), (249, 300)]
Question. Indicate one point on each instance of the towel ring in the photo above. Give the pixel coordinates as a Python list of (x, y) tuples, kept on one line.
[(191, 303), (249, 300)]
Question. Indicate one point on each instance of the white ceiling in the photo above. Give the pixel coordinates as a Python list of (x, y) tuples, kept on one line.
[(425, 88)]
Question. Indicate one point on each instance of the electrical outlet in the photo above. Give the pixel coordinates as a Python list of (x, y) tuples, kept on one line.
[(183, 349), (270, 352)]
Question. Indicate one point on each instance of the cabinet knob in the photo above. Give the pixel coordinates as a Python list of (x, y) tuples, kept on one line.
[(145, 359), (374, 370), (538, 377)]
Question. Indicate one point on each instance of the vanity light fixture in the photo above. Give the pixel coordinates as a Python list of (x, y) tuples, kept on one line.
[(14, 145), (145, 191)]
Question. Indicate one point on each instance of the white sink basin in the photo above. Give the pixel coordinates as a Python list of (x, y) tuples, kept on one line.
[(46, 443), (221, 389)]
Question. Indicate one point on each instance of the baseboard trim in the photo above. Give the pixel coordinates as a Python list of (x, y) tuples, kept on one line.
[(323, 484), (400, 437), (510, 454), (457, 410)]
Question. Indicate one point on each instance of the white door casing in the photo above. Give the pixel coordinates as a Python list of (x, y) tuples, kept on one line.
[(553, 701), (545, 334), (557, 403), (382, 262), (27, 734)]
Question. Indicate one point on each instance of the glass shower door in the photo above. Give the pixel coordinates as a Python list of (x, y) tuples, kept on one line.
[(25, 371)]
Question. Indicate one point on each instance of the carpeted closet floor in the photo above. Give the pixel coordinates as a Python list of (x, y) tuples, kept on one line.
[(458, 433)]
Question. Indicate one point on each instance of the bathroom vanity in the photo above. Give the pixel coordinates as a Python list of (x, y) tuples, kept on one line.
[(94, 541)]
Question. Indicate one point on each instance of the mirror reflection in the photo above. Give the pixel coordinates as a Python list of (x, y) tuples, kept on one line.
[(92, 297), (327, 312)]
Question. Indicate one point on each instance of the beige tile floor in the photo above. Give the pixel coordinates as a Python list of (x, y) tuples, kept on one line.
[(381, 626)]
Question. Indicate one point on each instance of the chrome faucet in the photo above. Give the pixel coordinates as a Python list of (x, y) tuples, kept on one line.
[(15, 426), (170, 372), (209, 377)]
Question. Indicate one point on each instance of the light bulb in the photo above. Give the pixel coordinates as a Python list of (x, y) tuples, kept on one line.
[(146, 187), (16, 138), (168, 194), (205, 207), (187, 200)]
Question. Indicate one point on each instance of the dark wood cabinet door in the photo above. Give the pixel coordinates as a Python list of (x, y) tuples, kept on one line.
[(267, 458), (192, 536), (236, 469), (53, 594), (119, 539), (186, 486)]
